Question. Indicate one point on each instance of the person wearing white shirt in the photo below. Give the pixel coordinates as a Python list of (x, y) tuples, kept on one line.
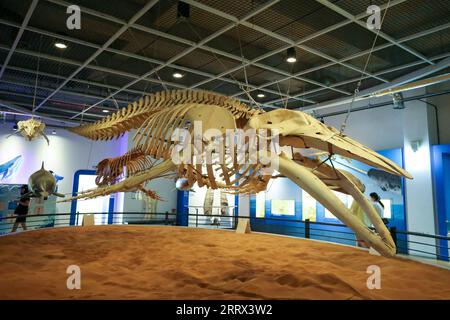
[(378, 205)]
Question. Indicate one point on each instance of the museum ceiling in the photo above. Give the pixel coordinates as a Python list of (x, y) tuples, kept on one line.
[(128, 48)]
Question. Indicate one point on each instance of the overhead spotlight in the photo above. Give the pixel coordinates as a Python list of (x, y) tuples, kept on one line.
[(54, 131), (260, 95), (328, 81), (183, 10), (60, 45), (291, 55), (105, 110), (415, 145), (397, 101), (177, 75)]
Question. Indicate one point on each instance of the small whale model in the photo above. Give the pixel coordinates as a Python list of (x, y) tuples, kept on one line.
[(7, 169), (42, 184)]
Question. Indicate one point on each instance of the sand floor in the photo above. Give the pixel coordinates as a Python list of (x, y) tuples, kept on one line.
[(148, 262)]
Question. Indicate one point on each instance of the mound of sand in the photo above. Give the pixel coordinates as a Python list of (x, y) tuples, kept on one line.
[(141, 262)]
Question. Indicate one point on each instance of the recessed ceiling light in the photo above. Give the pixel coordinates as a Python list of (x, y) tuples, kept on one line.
[(105, 110), (177, 75), (60, 45), (54, 132), (261, 95), (291, 60), (291, 55)]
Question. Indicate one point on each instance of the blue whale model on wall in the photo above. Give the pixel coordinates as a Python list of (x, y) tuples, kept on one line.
[(10, 167)]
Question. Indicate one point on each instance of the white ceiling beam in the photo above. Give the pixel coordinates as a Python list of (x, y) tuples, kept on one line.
[(26, 112), (95, 115), (383, 35), (187, 51), (366, 94), (186, 42), (134, 56), (113, 38), (291, 43), (362, 53), (299, 42), (19, 35), (359, 54), (385, 71), (105, 70)]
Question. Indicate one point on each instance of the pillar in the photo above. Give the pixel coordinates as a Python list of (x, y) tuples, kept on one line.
[(419, 131)]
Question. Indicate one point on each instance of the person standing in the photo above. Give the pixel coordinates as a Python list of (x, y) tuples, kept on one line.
[(378, 205), (22, 209)]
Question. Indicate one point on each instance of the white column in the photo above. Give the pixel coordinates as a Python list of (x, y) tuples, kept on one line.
[(244, 206), (120, 199), (419, 132)]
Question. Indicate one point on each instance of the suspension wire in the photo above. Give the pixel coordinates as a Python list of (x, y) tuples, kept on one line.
[(37, 77), (257, 104), (143, 50), (242, 55), (356, 92), (246, 88), (153, 47)]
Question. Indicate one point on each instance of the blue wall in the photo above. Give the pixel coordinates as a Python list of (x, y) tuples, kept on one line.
[(441, 180), (182, 208)]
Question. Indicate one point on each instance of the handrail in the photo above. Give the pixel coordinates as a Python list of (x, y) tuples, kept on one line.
[(294, 227), (412, 233)]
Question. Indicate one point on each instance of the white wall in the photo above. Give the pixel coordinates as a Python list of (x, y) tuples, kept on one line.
[(378, 128), (66, 154)]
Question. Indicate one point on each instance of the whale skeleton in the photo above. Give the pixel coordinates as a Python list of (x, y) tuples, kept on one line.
[(157, 116)]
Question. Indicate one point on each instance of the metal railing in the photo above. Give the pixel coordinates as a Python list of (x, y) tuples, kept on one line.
[(410, 243)]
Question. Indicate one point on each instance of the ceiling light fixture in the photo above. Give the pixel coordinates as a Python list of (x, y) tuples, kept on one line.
[(260, 95), (15, 127), (177, 75), (105, 110), (397, 101), (60, 45), (291, 55), (183, 10), (54, 132)]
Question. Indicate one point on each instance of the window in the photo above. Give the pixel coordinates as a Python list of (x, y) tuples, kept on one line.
[(283, 207)]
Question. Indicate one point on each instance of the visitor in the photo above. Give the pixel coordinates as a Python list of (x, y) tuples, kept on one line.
[(22, 209), (378, 205)]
